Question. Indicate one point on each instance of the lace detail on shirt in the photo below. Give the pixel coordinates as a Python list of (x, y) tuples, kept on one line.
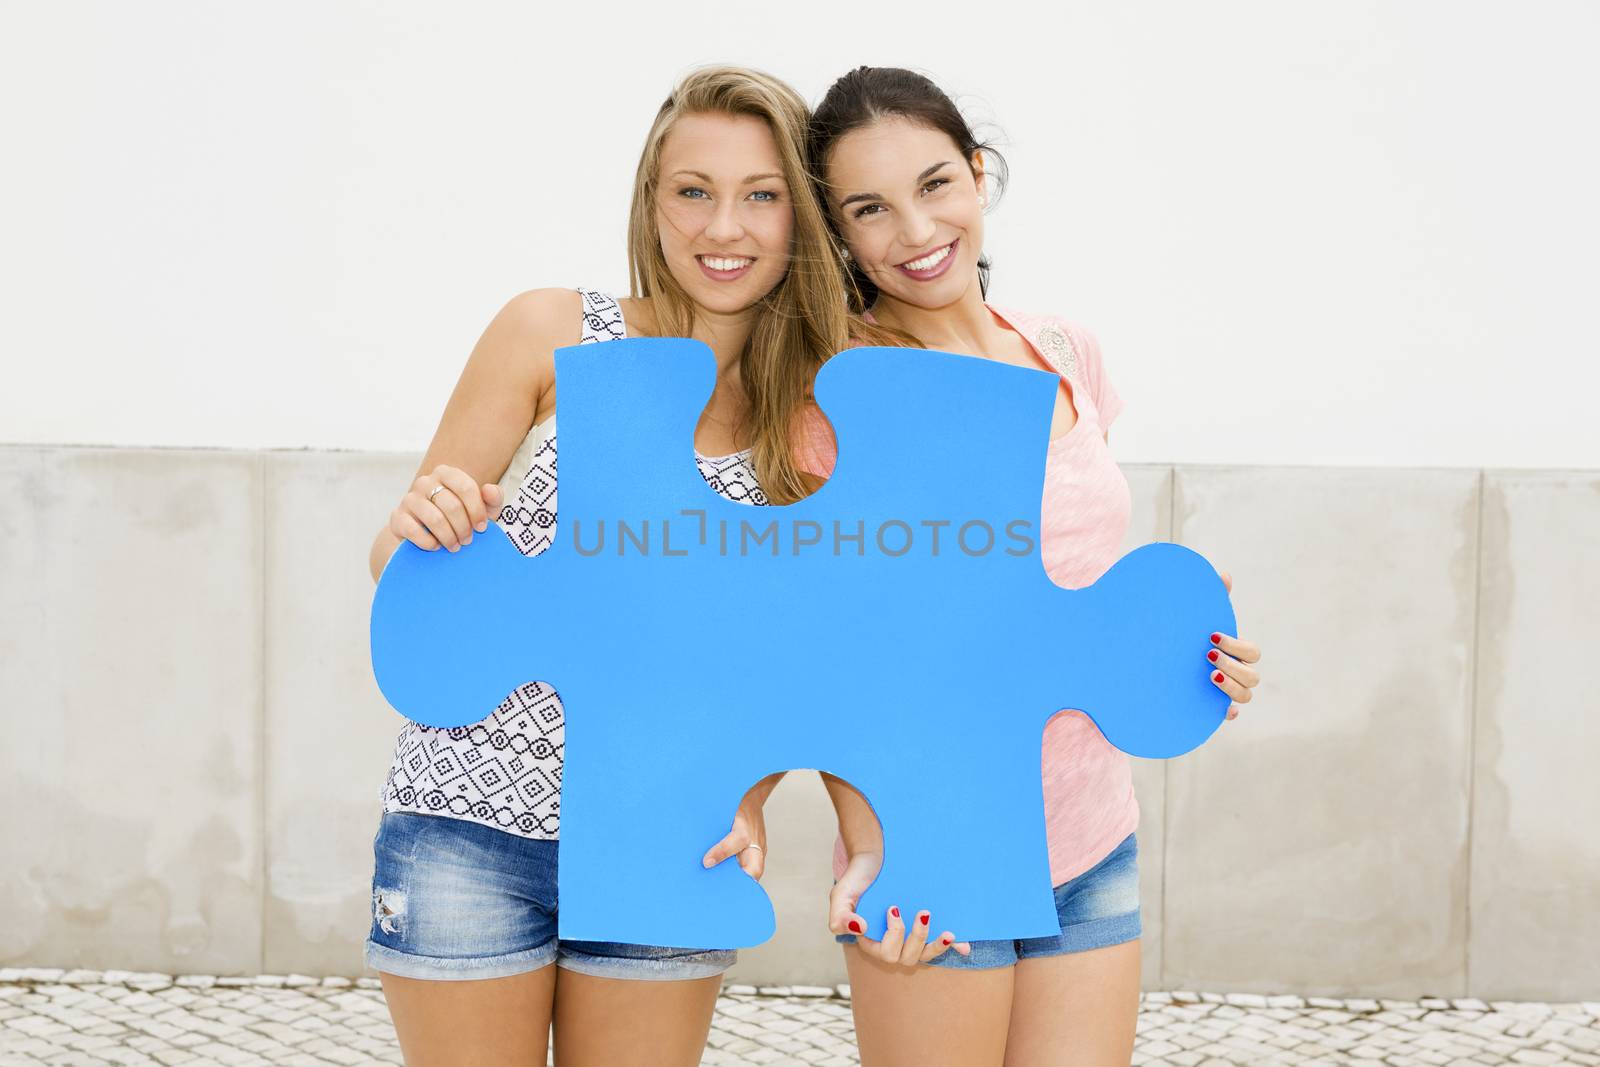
[(505, 771), (1057, 348)]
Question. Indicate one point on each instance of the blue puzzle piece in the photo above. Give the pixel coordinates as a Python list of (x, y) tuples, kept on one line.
[(706, 644)]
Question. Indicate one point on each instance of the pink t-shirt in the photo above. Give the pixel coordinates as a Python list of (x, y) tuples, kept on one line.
[(1089, 804)]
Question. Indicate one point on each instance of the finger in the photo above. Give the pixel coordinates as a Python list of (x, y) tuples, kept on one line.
[(753, 861), (1243, 651), (1237, 692), (893, 938), (729, 846), (433, 520), (1233, 712), (939, 946), (404, 524), (427, 506), (1227, 581), (916, 939), (1245, 675), (465, 487), (449, 501)]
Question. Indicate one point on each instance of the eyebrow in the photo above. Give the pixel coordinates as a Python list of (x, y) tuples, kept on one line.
[(750, 180), (924, 176)]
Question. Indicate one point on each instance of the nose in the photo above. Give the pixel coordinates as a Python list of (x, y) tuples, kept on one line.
[(916, 228), (725, 227)]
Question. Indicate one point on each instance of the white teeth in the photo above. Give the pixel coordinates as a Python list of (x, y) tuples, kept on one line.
[(928, 262), (725, 264)]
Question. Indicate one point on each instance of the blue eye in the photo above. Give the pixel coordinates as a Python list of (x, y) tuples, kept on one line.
[(692, 189), (768, 193)]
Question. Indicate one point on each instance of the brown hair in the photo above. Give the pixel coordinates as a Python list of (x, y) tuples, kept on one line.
[(868, 94)]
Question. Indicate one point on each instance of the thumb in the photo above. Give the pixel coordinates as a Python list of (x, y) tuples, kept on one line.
[(841, 909), (1227, 581), (494, 498)]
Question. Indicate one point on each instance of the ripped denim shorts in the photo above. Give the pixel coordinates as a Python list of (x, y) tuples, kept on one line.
[(454, 900)]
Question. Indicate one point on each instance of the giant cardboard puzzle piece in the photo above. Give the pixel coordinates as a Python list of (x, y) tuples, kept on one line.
[(896, 629)]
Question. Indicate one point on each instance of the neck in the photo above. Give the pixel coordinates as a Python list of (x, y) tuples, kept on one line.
[(965, 323), (725, 334)]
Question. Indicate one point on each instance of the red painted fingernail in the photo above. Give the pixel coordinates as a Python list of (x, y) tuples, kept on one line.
[(1217, 677), (944, 940), (1216, 639), (1212, 655), (895, 912), (855, 927), (923, 918)]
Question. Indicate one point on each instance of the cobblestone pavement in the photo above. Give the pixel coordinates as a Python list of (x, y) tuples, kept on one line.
[(94, 1017)]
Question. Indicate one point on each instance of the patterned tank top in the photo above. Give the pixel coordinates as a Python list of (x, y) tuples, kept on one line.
[(505, 771)]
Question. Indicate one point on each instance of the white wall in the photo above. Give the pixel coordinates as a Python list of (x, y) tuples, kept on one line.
[(1406, 808), (1352, 234)]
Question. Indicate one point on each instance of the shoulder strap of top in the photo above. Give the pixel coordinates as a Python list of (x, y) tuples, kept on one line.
[(1046, 334), (602, 317)]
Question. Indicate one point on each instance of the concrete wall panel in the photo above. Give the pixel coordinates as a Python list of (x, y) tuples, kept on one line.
[(130, 638), (1535, 915), (1319, 842)]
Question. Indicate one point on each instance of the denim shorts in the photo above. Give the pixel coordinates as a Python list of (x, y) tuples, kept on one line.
[(1100, 907), (456, 900)]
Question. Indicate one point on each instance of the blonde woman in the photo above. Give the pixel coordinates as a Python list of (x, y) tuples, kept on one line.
[(726, 244)]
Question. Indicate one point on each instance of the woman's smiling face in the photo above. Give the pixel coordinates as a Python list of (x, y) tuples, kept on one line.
[(723, 210), (908, 206)]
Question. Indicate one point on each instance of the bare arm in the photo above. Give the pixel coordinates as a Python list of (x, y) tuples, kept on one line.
[(510, 372)]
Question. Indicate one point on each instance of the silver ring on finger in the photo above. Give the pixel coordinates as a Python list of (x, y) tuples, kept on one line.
[(755, 846), (436, 490)]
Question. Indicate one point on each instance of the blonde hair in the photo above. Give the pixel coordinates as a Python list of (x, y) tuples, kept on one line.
[(805, 318)]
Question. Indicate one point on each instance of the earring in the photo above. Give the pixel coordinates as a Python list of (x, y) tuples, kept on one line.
[(844, 254)]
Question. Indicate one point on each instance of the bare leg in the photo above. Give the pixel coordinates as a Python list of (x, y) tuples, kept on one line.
[(622, 1022), (488, 1022), (928, 1016), (1080, 1009)]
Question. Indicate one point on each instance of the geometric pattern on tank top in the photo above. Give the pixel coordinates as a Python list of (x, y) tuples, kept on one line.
[(505, 771)]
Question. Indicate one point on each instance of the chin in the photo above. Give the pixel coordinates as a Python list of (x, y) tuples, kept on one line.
[(930, 297), (724, 298)]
